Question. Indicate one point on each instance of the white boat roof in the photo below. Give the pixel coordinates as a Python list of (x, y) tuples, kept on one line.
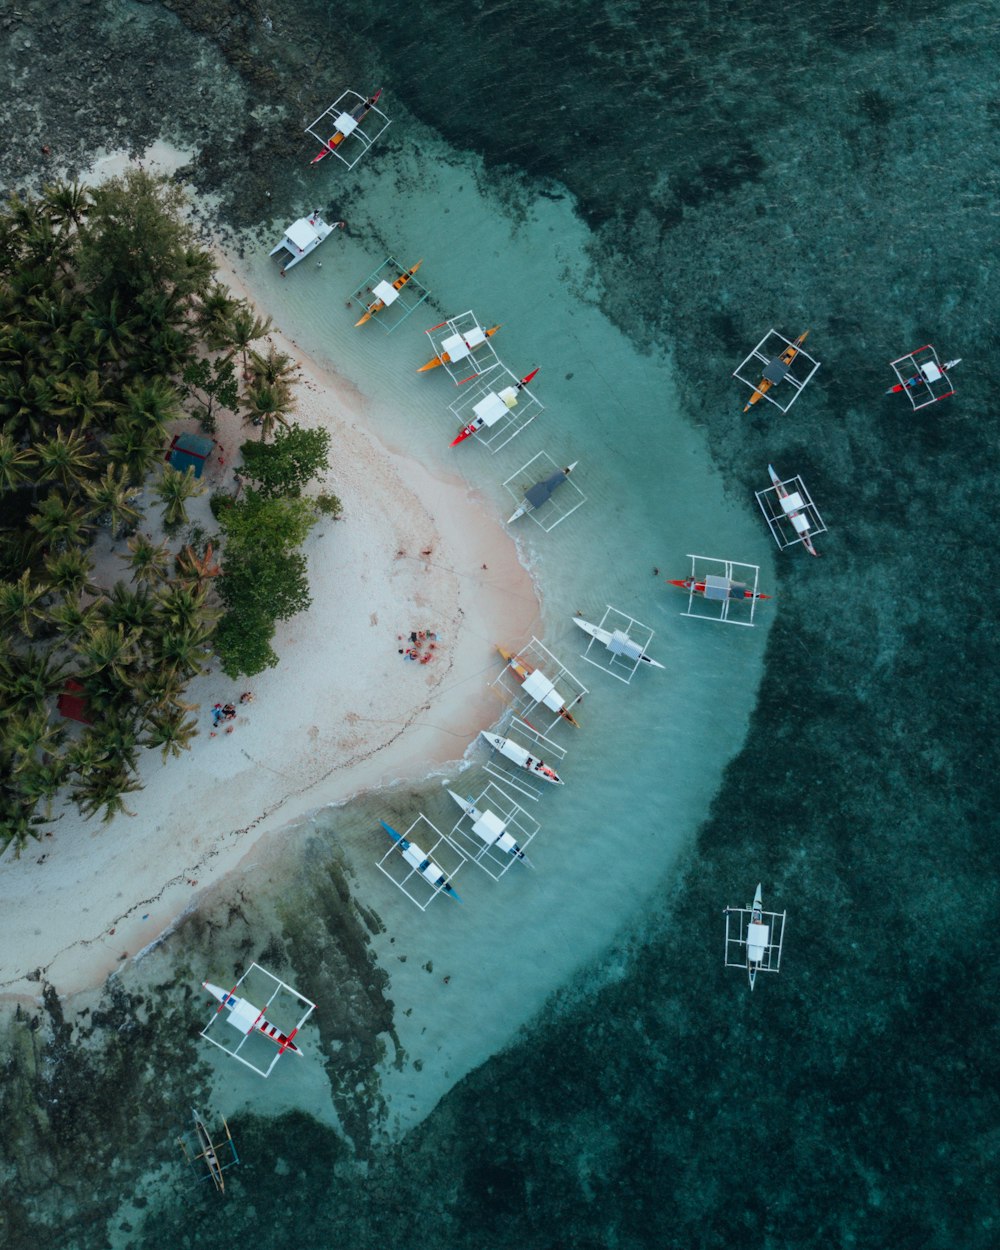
[(758, 940), (302, 233), (386, 292), (792, 502), (621, 644), (489, 826), (490, 408), (244, 1016), (538, 685), (345, 123), (455, 346)]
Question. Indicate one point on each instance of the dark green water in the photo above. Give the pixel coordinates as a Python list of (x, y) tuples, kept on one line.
[(830, 166)]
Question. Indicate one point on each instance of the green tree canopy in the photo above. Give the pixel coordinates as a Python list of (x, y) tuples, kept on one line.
[(286, 465)]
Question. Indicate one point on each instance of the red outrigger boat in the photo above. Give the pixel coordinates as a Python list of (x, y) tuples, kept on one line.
[(249, 1019), (358, 113), (477, 424), (688, 584)]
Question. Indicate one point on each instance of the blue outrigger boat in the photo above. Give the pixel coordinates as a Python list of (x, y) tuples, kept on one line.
[(422, 862)]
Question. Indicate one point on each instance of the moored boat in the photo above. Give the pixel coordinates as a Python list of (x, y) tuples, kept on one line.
[(472, 343), (928, 373), (523, 758), (796, 515), (611, 638), (302, 238), (508, 398), (779, 366), (422, 862), (380, 303), (537, 685), (243, 1015), (757, 937), (490, 829), (542, 491), (737, 590), (356, 116)]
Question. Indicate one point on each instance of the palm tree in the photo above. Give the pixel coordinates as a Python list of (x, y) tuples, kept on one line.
[(183, 608), (152, 402), (67, 202), (133, 609), (213, 312), (110, 334), (109, 650), (268, 404), (171, 733), (135, 447), (19, 603), (18, 822), (184, 650), (87, 754), (31, 678), (71, 619), (82, 399), (112, 495), (16, 463), (65, 458), (59, 522), (40, 780), (30, 733), (149, 560), (245, 327), (273, 368), (174, 489), (69, 571), (105, 789)]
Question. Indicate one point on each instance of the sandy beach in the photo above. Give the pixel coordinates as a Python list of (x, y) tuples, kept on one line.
[(344, 712)]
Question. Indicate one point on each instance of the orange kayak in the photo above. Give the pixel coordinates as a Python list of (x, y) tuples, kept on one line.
[(444, 358), (379, 304), (786, 358), (552, 699)]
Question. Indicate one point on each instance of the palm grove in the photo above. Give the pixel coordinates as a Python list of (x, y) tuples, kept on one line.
[(111, 328)]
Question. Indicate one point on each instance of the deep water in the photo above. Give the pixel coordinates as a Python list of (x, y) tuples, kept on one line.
[(830, 166)]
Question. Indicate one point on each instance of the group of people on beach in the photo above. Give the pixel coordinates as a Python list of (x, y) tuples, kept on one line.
[(222, 712), (422, 645)]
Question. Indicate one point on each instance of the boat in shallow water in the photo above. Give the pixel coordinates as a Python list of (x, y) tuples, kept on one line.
[(243, 1015), (737, 590), (475, 340), (422, 862), (542, 491), (490, 829), (537, 685), (398, 285), (302, 238), (523, 758), (796, 514), (616, 641)]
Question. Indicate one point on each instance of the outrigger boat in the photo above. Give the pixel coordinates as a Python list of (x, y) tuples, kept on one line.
[(489, 828), (606, 636), (398, 285), (445, 357), (798, 519), (509, 397), (357, 115), (542, 492), (757, 936), (210, 1153), (422, 862), (523, 758), (779, 364), (249, 1019), (737, 591), (530, 677), (929, 372)]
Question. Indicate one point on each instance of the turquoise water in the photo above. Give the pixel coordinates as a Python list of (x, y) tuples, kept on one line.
[(657, 188)]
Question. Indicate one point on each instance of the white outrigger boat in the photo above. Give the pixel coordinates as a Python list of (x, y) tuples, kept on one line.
[(522, 757), (794, 508), (302, 238), (247, 1018), (754, 937), (418, 859), (490, 829), (922, 377), (617, 642), (542, 492), (537, 686)]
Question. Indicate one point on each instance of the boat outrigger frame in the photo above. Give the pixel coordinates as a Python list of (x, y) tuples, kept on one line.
[(549, 679), (498, 813), (340, 119), (499, 405), (754, 939), (622, 655), (247, 1018), (467, 345), (436, 847), (922, 377), (781, 512), (726, 584), (209, 1157), (558, 504), (535, 743), (765, 363), (397, 302)]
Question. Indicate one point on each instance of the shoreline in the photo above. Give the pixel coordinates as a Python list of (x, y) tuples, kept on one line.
[(342, 714)]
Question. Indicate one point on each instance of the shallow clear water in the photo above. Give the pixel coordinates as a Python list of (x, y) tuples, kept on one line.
[(831, 169)]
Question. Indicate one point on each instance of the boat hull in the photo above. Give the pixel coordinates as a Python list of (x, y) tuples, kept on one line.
[(445, 358), (229, 1000), (699, 588), (359, 113), (786, 358), (603, 636), (398, 285), (523, 758)]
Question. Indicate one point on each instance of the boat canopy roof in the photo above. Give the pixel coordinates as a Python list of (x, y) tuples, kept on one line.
[(621, 644), (538, 685), (303, 232), (243, 1015), (489, 825)]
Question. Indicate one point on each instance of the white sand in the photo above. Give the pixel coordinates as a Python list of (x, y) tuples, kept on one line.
[(342, 713)]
